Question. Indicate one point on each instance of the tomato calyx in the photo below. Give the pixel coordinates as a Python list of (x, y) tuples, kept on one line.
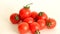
[(16, 17), (48, 24), (41, 13), (27, 6), (37, 32)]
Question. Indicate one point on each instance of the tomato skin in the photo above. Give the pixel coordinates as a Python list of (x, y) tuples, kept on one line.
[(14, 18), (34, 14), (24, 13), (23, 33), (42, 23), (42, 15), (34, 26), (29, 20), (23, 27), (51, 23)]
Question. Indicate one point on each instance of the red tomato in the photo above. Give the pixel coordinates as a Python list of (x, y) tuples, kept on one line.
[(42, 23), (34, 14), (23, 27), (29, 20), (14, 18), (42, 15), (51, 23), (34, 27), (24, 12)]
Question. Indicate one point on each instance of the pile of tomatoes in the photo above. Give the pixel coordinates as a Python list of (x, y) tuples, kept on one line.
[(28, 20)]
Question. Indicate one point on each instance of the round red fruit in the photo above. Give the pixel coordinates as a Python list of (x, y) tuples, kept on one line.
[(34, 27), (25, 12), (42, 23), (51, 23), (42, 15), (14, 18), (23, 27)]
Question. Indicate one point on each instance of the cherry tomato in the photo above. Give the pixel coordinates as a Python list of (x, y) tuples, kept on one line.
[(34, 27), (25, 12), (29, 20), (51, 23), (14, 18), (42, 15), (34, 14), (23, 27), (42, 23)]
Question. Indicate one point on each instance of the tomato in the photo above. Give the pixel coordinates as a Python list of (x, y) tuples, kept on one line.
[(29, 20), (42, 23), (34, 27), (25, 12), (42, 15), (34, 14), (23, 27), (51, 23), (14, 18)]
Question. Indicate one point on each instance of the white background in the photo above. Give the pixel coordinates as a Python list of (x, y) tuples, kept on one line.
[(7, 7)]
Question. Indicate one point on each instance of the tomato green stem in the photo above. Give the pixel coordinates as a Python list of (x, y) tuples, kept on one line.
[(27, 6), (16, 17)]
